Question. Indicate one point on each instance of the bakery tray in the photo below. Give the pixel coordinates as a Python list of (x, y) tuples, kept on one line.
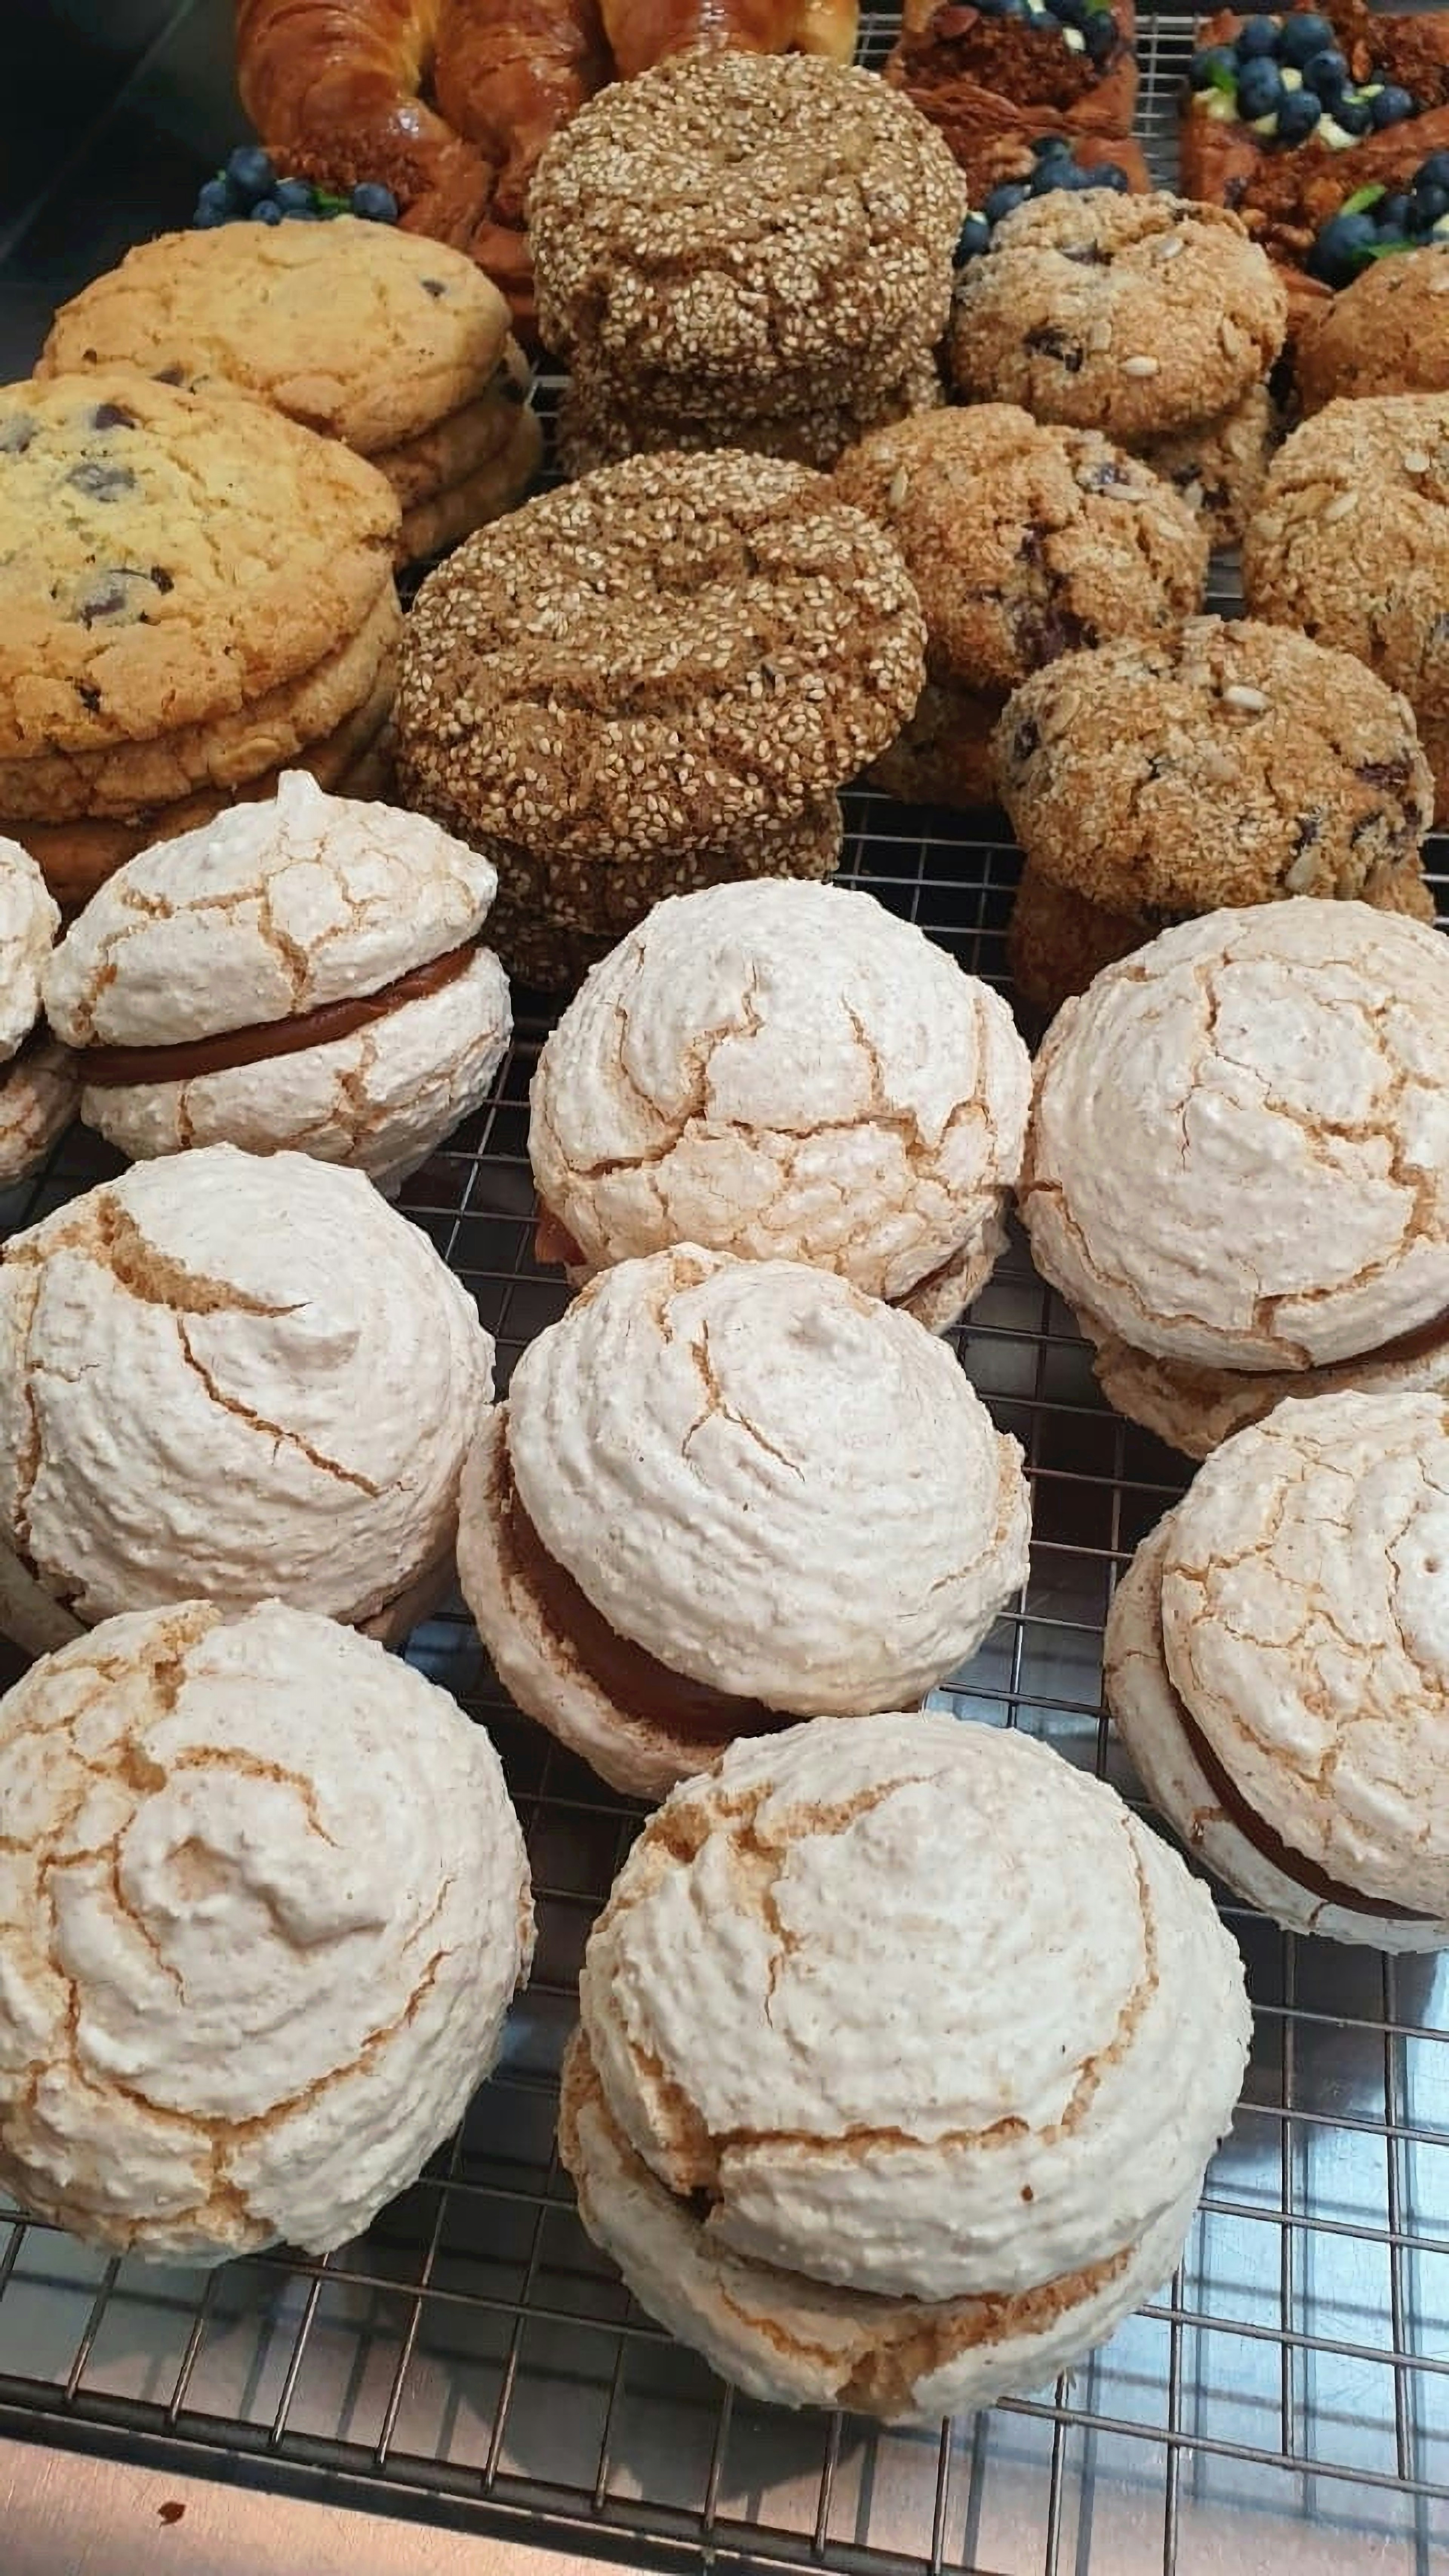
[(472, 2361)]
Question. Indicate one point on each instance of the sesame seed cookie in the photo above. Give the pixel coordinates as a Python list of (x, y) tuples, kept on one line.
[(1130, 315), (1350, 542), (597, 427), (363, 331), (1387, 333), (739, 217), (166, 557), (1230, 764), (1218, 465)]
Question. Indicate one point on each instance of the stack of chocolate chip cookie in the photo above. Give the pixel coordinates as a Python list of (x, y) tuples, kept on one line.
[(396, 345), (194, 593), (1148, 318), (742, 250)]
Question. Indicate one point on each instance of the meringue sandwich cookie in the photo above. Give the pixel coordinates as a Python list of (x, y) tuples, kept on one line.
[(225, 1376), (661, 1531), (1238, 1160), (781, 1069), (39, 1088), (1277, 1661), (306, 970), (265, 1905), (875, 2150)]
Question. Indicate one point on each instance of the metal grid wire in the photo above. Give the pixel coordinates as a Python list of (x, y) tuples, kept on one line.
[(1286, 2400)]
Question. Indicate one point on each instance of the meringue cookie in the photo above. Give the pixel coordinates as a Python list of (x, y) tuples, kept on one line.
[(263, 1904), (873, 2149), (725, 1491), (1239, 1153), (784, 1070), (1277, 1660), (225, 1376), (38, 1083), (224, 953)]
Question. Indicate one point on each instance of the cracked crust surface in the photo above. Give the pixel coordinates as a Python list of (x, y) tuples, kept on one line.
[(1129, 315), (362, 331), (1195, 1409), (232, 1376), (38, 1099), (29, 920), (165, 557), (263, 1904), (1149, 1713), (1227, 764), (1023, 540), (1384, 334), (726, 217), (657, 658), (1239, 1150), (943, 2176), (699, 1442), (784, 1070)]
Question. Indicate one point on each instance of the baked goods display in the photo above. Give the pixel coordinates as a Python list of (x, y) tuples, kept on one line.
[(1005, 167), (659, 1534), (1023, 541), (307, 971), (227, 1376), (1148, 318), (1231, 763), (39, 1085), (845, 2172), (1237, 1171), (266, 1904), (1303, 549), (651, 680), (780, 1070), (193, 593), (1018, 67), (1275, 1664), (744, 252), (1387, 333), (399, 347)]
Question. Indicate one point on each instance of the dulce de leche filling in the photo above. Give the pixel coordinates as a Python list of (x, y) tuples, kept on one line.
[(113, 1068), (639, 1685)]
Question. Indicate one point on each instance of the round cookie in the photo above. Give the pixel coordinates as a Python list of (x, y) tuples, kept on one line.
[(266, 1903), (1218, 465), (732, 219), (1387, 333), (1129, 315), (1229, 764), (1239, 1148), (232, 1377), (784, 1071), (39, 1083), (450, 449), (597, 427), (365, 332), (945, 755), (660, 1531), (1024, 541), (166, 557), (834, 2160), (1277, 1661), (494, 486), (308, 971), (1350, 542)]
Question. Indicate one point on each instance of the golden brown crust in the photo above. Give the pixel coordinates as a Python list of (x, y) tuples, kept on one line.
[(1388, 333), (596, 429), (944, 755)]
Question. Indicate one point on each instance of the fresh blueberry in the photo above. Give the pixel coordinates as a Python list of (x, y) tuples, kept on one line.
[(1339, 249), (1304, 35), (250, 172), (266, 211), (1392, 213), (973, 238), (1056, 173), (1011, 193), (1429, 204), (1110, 174), (1257, 40), (215, 203), (1350, 115), (296, 196), (1052, 147), (1298, 115), (1101, 36), (1326, 74), (1391, 106), (375, 204), (1070, 13), (1207, 68), (1260, 88), (1433, 173)]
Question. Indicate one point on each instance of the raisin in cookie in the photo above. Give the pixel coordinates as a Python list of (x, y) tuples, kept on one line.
[(1131, 315), (1228, 765)]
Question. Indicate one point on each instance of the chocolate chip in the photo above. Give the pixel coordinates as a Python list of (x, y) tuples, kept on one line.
[(1087, 255), (90, 698), (108, 596), (109, 415), (101, 482), (1053, 631), (162, 578), (1384, 773), (170, 376), (16, 434), (1047, 342), (434, 286), (1025, 739)]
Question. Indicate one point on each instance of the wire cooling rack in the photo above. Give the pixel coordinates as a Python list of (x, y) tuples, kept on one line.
[(1284, 2404)]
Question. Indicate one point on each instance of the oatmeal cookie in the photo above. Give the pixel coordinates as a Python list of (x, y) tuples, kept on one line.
[(1218, 465), (1388, 333), (1130, 315), (945, 754)]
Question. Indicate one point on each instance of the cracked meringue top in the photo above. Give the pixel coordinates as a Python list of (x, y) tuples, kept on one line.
[(263, 1903), (276, 908), (876, 2070), (228, 1375), (770, 1482), (1239, 1151), (29, 920), (780, 1068)]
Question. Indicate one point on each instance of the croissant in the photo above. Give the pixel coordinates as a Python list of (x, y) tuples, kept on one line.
[(322, 67), (642, 32), (508, 73)]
